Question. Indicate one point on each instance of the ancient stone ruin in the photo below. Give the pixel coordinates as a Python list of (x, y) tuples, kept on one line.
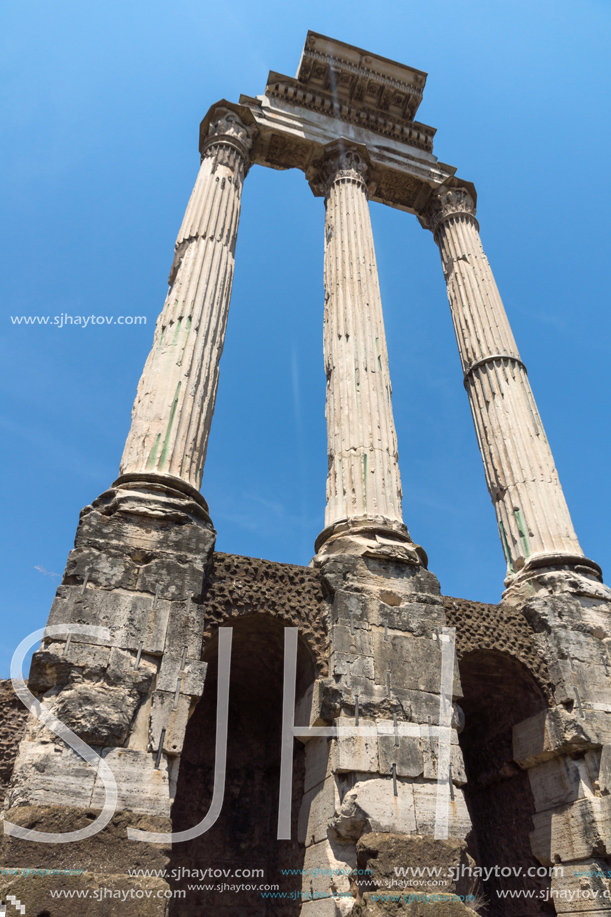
[(344, 721)]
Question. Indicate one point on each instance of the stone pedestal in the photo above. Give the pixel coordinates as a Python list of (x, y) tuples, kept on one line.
[(138, 568), (385, 632)]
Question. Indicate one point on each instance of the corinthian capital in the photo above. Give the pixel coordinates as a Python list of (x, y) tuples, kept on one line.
[(446, 202), (342, 162), (226, 129)]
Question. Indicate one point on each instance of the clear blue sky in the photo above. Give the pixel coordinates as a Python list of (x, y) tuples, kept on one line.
[(101, 103)]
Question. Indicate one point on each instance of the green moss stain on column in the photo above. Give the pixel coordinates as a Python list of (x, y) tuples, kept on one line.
[(506, 547), (151, 460), (522, 531), (176, 331), (164, 452)]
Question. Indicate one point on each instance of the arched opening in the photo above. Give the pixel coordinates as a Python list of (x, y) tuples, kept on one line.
[(499, 691), (243, 841)]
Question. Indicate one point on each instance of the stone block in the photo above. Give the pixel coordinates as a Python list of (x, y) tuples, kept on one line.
[(406, 755), (376, 696), (351, 605), (97, 713), (557, 732), (591, 681), (122, 670), (317, 811), (55, 663), (342, 640), (50, 775), (582, 647), (177, 576), (130, 617), (430, 753), (192, 675), (417, 618), (318, 762), (372, 806), (572, 832), (558, 782), (326, 870), (425, 803), (173, 718), (584, 887), (141, 787), (414, 663), (358, 752), (351, 666), (604, 769), (418, 706), (185, 630), (111, 568)]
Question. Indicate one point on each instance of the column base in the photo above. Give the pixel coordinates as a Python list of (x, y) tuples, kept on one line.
[(369, 536), (556, 573), (164, 490)]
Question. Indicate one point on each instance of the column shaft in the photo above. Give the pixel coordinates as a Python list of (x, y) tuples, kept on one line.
[(174, 405), (363, 483), (532, 513)]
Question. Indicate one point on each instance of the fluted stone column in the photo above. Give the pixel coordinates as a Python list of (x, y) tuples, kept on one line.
[(173, 409), (363, 483), (532, 514)]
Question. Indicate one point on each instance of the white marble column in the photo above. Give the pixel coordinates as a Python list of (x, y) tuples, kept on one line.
[(363, 483), (533, 518), (173, 409)]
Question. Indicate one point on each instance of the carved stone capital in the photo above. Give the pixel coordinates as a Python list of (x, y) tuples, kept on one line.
[(228, 133), (342, 162), (445, 203)]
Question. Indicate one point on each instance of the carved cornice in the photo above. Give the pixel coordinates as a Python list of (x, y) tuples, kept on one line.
[(366, 113), (360, 78), (445, 203), (227, 133)]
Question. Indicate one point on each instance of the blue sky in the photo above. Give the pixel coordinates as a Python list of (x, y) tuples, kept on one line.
[(101, 104)]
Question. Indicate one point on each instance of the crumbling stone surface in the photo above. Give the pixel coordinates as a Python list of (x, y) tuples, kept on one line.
[(394, 904), (248, 585), (109, 851), (444, 864), (13, 717), (108, 895)]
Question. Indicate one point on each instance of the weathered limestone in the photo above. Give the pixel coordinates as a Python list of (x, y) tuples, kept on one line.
[(173, 410), (385, 658), (533, 518), (363, 483), (139, 567), (566, 749)]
